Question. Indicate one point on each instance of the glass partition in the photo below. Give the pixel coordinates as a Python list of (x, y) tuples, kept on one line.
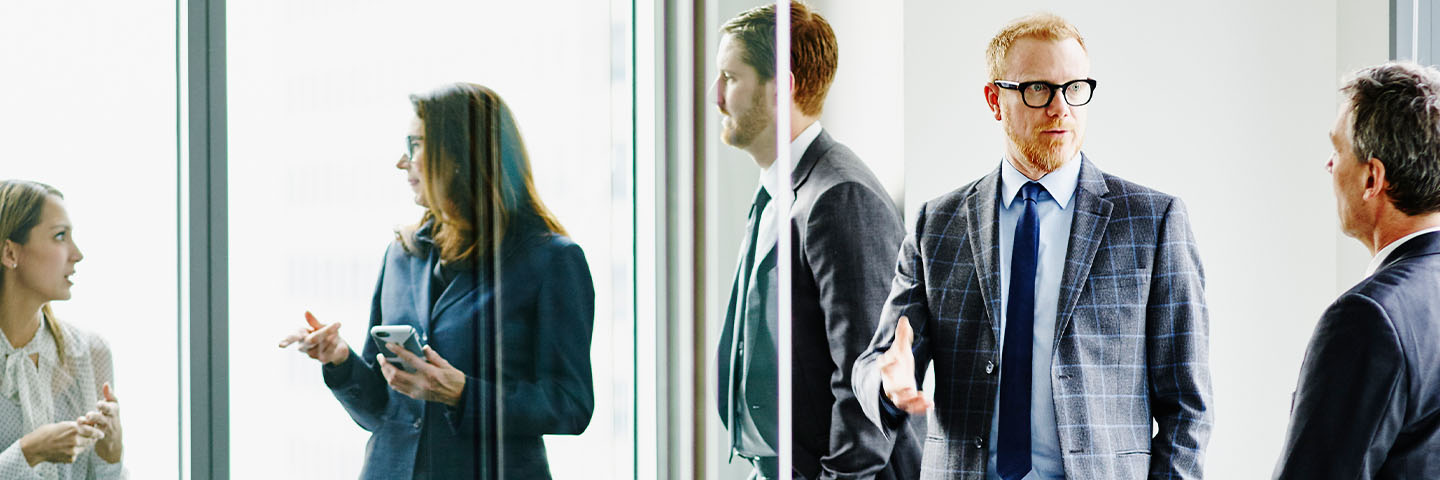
[(519, 286)]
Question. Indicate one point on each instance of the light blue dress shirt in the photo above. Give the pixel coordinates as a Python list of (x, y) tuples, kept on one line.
[(1056, 213)]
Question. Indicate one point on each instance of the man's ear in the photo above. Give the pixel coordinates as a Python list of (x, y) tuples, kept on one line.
[(1375, 182), (992, 99)]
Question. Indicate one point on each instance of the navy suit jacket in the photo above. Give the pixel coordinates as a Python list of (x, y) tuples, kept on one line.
[(1368, 402), (544, 384)]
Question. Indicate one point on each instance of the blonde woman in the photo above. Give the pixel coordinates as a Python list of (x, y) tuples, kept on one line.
[(59, 419)]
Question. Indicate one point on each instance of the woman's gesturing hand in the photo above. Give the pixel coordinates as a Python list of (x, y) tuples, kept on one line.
[(434, 380), (320, 341)]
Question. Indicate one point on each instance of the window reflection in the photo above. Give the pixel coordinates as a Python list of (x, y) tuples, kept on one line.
[(315, 193)]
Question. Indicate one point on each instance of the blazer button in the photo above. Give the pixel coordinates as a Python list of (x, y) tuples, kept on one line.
[(979, 442), (989, 367), (417, 424)]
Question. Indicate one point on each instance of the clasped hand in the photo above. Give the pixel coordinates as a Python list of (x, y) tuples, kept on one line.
[(63, 442)]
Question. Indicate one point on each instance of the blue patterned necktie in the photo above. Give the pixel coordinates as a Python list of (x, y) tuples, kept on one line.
[(1012, 461)]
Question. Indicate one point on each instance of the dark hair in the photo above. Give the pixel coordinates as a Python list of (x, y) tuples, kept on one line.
[(1395, 117), (476, 172), (814, 52)]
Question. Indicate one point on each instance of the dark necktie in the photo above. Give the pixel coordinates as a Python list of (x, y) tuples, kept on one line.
[(1012, 460)]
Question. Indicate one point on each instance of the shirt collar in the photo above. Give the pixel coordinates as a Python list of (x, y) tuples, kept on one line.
[(1060, 184), (770, 177), (1380, 256)]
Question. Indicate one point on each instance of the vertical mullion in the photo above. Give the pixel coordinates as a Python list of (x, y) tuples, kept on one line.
[(209, 307)]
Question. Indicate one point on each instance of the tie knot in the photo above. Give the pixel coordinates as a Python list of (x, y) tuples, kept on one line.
[(1031, 190)]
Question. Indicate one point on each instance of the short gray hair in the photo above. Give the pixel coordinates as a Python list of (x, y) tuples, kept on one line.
[(1395, 117)]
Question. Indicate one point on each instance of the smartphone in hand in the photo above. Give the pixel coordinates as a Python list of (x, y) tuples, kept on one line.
[(404, 335)]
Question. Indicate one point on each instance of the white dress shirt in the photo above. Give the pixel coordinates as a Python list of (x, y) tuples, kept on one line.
[(1379, 257)]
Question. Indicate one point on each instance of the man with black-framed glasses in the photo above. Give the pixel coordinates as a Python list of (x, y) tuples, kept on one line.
[(1063, 307)]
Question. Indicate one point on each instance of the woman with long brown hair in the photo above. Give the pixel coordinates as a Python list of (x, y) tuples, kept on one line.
[(59, 418), (503, 297)]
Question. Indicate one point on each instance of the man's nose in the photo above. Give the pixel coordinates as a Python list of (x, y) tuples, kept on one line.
[(719, 94), (1058, 107)]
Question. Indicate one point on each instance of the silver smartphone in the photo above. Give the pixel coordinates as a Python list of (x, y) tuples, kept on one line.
[(404, 335)]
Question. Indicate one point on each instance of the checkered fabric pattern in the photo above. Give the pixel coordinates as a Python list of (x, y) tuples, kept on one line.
[(1131, 334)]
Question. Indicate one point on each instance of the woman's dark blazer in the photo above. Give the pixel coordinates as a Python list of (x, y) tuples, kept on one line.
[(547, 311)]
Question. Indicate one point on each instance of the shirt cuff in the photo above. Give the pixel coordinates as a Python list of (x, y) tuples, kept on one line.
[(13, 464), (104, 470)]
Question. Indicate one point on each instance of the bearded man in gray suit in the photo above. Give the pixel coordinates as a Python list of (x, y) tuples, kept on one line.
[(845, 232), (1063, 307)]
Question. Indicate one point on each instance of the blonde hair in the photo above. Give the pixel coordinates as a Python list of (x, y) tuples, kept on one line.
[(1044, 26), (21, 204)]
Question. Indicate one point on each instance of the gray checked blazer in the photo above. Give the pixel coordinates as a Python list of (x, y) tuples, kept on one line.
[(1131, 337)]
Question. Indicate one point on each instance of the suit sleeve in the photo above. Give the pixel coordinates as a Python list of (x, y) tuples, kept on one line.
[(907, 298), (1350, 400), (560, 397), (357, 383), (1178, 351), (852, 235)]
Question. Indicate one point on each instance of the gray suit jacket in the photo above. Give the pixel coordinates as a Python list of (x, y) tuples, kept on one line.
[(1131, 340), (845, 232)]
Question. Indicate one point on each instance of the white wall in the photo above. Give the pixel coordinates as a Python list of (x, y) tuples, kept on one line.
[(1226, 104), (865, 109)]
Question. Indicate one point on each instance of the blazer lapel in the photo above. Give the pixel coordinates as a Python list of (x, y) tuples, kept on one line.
[(1087, 232), (461, 287), (981, 218), (807, 161)]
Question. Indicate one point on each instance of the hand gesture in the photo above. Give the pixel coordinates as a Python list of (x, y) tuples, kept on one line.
[(897, 372), (58, 442), (106, 418), (320, 341), (434, 380)]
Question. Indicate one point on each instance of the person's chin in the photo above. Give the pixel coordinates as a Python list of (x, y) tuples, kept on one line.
[(728, 137)]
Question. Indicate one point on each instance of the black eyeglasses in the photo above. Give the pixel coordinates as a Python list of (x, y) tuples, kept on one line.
[(1039, 94), (410, 143)]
